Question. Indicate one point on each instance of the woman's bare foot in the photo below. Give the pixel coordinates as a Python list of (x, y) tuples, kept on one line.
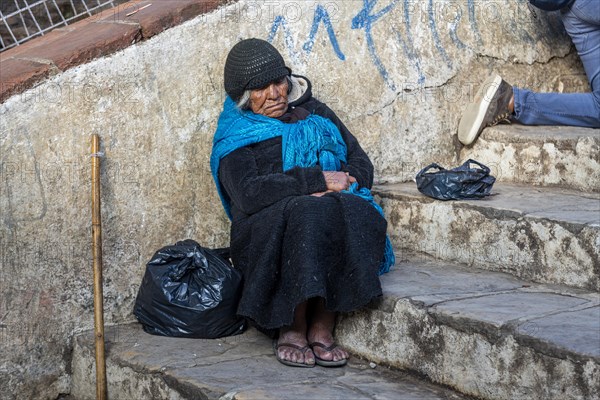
[(320, 337), (292, 347)]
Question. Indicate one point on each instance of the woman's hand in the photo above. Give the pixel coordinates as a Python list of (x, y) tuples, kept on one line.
[(337, 181)]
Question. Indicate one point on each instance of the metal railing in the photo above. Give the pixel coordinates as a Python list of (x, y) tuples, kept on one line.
[(21, 20)]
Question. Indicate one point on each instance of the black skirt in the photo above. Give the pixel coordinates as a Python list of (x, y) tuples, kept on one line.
[(304, 247)]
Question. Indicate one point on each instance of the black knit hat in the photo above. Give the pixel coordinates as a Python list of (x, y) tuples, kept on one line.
[(252, 64)]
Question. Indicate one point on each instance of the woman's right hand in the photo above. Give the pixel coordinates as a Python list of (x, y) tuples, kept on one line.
[(337, 180)]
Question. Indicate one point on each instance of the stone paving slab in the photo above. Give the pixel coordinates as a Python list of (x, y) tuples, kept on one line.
[(486, 333), (560, 205), (500, 309), (547, 235), (566, 317), (540, 155), (431, 284), (526, 133), (576, 331), (236, 368)]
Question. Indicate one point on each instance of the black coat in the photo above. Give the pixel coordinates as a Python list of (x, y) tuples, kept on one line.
[(291, 246)]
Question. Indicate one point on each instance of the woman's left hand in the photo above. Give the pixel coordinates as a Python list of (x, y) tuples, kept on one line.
[(337, 180)]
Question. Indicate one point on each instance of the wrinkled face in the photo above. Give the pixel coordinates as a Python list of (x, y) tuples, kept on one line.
[(271, 100)]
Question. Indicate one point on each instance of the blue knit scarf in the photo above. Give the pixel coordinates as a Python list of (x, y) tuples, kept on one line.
[(306, 143)]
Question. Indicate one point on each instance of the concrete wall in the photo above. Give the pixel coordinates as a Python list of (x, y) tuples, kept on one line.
[(397, 72)]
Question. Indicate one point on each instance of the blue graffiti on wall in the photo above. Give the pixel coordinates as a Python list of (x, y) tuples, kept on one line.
[(280, 21), (321, 16), (365, 20), (436, 36), (370, 15)]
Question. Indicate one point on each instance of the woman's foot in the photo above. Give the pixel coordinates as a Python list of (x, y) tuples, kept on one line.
[(292, 349), (326, 352), (320, 338)]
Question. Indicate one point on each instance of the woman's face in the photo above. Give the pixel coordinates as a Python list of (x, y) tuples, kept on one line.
[(271, 100)]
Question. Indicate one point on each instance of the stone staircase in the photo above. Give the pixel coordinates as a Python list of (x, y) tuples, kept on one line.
[(497, 298), (145, 367), (487, 334)]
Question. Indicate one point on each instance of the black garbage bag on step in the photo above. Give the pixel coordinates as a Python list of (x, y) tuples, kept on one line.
[(464, 182), (189, 291)]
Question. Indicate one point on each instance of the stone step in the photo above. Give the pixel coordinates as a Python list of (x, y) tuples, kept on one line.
[(486, 334), (145, 367), (546, 235), (540, 155)]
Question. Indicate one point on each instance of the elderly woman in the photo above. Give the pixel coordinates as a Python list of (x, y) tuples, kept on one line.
[(305, 231)]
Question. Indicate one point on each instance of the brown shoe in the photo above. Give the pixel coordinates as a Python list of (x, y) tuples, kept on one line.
[(489, 107)]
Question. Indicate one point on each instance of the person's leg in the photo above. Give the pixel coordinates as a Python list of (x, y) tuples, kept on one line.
[(571, 109), (493, 100), (296, 336), (321, 331), (582, 23)]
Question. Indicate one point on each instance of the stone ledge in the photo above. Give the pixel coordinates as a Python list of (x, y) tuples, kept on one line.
[(100, 35), (154, 17), (571, 208), (486, 334), (540, 155), (18, 75), (238, 368), (542, 234)]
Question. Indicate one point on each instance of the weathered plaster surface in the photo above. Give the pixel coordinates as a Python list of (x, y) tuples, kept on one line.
[(396, 72)]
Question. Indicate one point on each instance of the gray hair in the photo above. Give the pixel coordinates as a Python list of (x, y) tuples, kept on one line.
[(244, 102)]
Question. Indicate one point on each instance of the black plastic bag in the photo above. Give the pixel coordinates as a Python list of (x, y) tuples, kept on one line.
[(189, 291), (464, 182)]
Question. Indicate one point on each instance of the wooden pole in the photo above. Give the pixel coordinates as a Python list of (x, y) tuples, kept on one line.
[(97, 254)]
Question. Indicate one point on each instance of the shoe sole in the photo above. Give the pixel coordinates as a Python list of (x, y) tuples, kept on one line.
[(471, 122), (326, 363), (330, 364)]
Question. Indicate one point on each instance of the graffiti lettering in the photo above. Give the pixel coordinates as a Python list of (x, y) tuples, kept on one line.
[(321, 17), (398, 20)]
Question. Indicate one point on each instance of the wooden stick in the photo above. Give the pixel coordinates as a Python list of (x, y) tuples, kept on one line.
[(97, 254)]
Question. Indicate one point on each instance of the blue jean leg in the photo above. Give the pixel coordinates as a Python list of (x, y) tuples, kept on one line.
[(582, 22), (573, 109)]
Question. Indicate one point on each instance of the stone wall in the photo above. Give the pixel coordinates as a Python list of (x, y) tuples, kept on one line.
[(397, 72)]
